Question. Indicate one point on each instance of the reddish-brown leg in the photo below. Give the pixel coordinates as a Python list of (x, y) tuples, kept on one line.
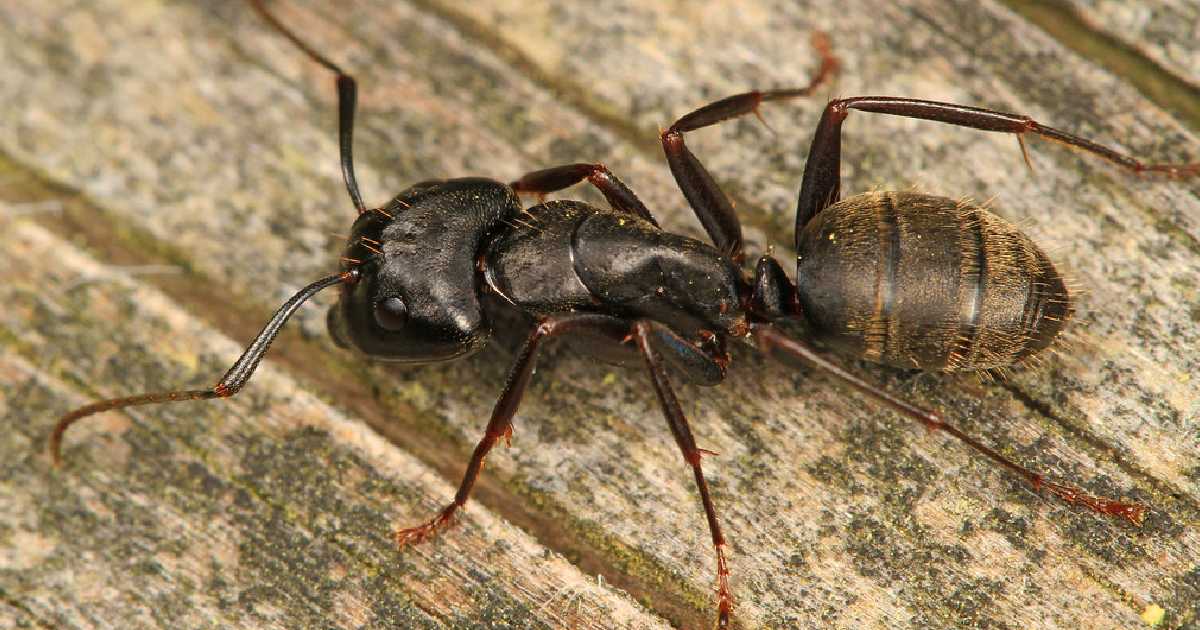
[(687, 444), (556, 178), (500, 425), (707, 200), (770, 339), (821, 183)]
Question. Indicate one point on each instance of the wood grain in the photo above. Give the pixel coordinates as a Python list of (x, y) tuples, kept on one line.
[(190, 135), (1165, 31)]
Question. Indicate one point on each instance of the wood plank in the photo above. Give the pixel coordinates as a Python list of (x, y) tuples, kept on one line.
[(1165, 31), (273, 511), (209, 140), (1144, 43)]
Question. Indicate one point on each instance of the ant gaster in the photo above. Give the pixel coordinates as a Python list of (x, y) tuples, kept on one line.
[(900, 278)]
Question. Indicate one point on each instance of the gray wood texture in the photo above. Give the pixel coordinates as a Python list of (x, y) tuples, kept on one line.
[(1165, 31), (169, 175)]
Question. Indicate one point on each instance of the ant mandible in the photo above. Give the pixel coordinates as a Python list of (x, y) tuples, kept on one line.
[(900, 278)]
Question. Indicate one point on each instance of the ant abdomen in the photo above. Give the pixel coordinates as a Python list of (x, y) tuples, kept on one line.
[(921, 281)]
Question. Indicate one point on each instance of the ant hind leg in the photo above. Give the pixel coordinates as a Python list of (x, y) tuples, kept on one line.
[(822, 181), (706, 198), (770, 339)]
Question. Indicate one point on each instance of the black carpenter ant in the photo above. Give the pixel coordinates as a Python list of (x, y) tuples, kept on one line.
[(900, 278)]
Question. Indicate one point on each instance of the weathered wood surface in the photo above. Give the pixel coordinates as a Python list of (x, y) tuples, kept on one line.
[(190, 135), (1165, 31), (1151, 44)]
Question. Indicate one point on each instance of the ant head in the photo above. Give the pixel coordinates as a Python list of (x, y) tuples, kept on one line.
[(417, 297)]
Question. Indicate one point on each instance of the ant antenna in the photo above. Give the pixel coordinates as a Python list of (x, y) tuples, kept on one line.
[(347, 91), (230, 384)]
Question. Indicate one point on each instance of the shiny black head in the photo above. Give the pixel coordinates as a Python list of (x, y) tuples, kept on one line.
[(417, 297)]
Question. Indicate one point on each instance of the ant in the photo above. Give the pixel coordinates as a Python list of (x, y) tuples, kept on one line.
[(900, 278)]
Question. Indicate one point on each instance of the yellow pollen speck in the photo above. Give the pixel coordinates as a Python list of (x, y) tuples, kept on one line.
[(1153, 615)]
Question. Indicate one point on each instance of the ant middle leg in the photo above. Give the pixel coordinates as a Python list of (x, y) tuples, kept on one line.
[(769, 338), (556, 178), (706, 198), (644, 335), (822, 181), (500, 424)]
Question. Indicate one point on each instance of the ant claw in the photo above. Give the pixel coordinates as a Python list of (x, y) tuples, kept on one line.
[(425, 531)]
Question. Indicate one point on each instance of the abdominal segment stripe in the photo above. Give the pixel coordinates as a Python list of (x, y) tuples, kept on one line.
[(878, 332), (972, 286)]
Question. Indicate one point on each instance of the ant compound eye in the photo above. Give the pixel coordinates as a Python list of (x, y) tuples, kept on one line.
[(391, 314)]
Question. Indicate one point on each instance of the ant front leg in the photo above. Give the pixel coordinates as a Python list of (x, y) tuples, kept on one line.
[(769, 339), (556, 178), (500, 424), (703, 194), (822, 181), (347, 91)]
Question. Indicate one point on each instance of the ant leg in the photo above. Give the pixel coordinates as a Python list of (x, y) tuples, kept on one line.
[(687, 444), (500, 424), (703, 194), (347, 91), (556, 178), (769, 338), (820, 186), (701, 360)]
